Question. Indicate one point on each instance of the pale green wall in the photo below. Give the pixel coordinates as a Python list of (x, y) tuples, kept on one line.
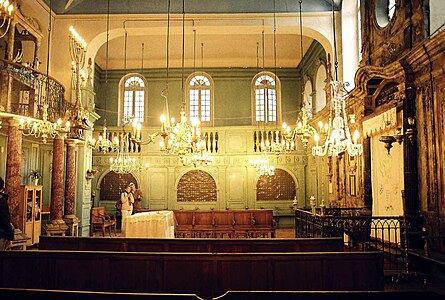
[(232, 94)]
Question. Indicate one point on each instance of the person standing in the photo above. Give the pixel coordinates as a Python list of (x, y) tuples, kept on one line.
[(127, 201), (137, 195), (6, 231)]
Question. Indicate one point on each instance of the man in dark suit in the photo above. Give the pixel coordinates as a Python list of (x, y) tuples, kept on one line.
[(6, 231)]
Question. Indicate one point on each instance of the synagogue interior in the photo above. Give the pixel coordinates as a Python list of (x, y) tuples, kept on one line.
[(140, 143)]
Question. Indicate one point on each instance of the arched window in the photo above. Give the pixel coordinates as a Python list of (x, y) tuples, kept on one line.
[(267, 102), (307, 100), (200, 93), (134, 97), (384, 11), (196, 186), (320, 90), (280, 186)]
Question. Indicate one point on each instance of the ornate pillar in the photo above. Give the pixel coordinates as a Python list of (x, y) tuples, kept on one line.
[(70, 188), (56, 224), (13, 172)]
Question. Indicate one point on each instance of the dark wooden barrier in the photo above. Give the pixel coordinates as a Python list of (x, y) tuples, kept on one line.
[(249, 223), (191, 245), (206, 275), (38, 294), (343, 295)]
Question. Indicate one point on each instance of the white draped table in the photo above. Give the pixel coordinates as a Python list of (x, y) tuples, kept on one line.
[(153, 224)]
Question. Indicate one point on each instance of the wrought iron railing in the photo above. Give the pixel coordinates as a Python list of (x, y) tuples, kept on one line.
[(31, 89), (360, 233)]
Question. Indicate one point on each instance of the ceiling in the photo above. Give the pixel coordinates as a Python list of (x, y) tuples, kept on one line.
[(191, 6), (228, 46)]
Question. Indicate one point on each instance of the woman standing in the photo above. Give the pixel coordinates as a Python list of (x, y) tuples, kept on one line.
[(127, 201)]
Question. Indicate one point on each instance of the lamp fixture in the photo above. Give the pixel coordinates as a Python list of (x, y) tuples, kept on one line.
[(275, 142), (104, 144), (123, 163), (338, 137), (399, 135), (78, 49), (178, 138), (303, 130), (6, 10), (262, 166), (42, 128)]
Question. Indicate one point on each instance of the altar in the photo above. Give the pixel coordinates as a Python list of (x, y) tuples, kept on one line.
[(152, 224)]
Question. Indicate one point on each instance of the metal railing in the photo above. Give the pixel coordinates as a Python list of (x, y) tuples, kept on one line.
[(31, 89), (360, 233)]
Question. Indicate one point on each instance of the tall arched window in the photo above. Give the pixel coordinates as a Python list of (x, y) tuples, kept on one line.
[(266, 89), (134, 97), (307, 101), (200, 93), (320, 88)]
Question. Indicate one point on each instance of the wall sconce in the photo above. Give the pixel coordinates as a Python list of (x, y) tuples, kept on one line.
[(399, 135)]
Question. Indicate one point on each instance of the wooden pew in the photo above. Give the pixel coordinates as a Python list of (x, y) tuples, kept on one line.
[(331, 295), (39, 294), (191, 245), (204, 274), (247, 223)]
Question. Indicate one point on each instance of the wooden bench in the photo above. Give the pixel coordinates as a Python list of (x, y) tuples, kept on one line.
[(100, 219), (191, 244), (204, 274), (41, 294), (225, 223)]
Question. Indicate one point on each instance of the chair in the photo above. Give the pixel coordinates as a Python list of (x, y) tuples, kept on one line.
[(100, 219)]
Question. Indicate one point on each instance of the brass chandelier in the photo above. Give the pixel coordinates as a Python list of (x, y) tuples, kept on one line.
[(104, 144), (180, 138), (43, 128)]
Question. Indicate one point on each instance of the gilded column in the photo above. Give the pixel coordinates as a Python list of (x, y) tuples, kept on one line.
[(70, 188), (57, 225), (13, 171)]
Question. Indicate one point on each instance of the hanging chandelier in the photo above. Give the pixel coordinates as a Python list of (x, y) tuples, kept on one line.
[(262, 166), (123, 163), (179, 138), (103, 143), (43, 128), (274, 142), (338, 137), (303, 131), (6, 10), (40, 128)]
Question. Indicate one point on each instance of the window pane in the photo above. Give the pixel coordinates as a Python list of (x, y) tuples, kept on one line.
[(139, 106), (259, 105), (271, 105), (194, 104), (128, 104)]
